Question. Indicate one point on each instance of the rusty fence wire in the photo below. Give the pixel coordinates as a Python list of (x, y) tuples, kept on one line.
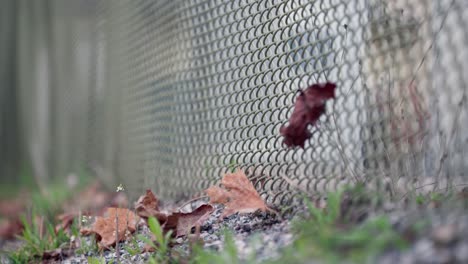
[(170, 94)]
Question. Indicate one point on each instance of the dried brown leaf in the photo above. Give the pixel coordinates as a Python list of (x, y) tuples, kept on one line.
[(65, 221), (148, 205), (217, 195), (9, 228), (182, 223), (149, 200), (241, 194), (309, 106), (106, 227)]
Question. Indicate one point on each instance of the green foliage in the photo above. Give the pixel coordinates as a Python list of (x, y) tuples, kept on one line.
[(46, 204), (94, 260), (434, 197), (133, 248), (420, 199), (325, 236), (161, 244), (34, 243)]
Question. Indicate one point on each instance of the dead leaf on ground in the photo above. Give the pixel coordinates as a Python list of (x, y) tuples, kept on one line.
[(9, 228), (105, 227), (241, 194), (195, 239), (65, 221), (182, 223), (217, 195), (148, 205)]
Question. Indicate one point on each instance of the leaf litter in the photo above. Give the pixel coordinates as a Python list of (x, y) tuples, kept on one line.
[(113, 225), (116, 225), (238, 196)]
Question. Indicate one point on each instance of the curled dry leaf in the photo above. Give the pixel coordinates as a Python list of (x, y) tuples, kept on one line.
[(65, 221), (9, 228), (105, 227), (240, 192), (148, 205), (309, 106), (217, 195), (182, 223)]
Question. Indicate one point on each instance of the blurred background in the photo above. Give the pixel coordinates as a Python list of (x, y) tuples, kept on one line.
[(170, 94)]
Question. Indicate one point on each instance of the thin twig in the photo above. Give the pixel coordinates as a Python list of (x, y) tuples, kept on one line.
[(192, 200), (117, 250)]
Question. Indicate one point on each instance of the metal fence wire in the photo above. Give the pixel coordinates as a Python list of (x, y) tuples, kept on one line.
[(170, 94)]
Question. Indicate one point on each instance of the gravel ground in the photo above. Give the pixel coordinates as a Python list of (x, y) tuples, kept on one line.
[(444, 239), (260, 233)]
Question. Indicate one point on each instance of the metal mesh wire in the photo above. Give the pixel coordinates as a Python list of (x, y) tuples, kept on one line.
[(176, 92)]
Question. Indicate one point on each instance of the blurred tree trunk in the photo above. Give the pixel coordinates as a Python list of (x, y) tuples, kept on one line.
[(9, 130)]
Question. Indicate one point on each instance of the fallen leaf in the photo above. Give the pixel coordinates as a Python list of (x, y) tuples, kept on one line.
[(182, 223), (217, 195), (148, 205), (309, 106), (65, 221), (9, 228), (147, 202), (105, 227), (241, 194), (195, 239)]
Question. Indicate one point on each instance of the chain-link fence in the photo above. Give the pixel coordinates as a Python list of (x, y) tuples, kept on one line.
[(169, 94)]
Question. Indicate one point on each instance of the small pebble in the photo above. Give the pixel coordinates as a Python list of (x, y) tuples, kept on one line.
[(444, 235), (424, 251), (461, 252), (246, 228)]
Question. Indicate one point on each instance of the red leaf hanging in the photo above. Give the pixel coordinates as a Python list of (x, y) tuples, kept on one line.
[(309, 106)]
